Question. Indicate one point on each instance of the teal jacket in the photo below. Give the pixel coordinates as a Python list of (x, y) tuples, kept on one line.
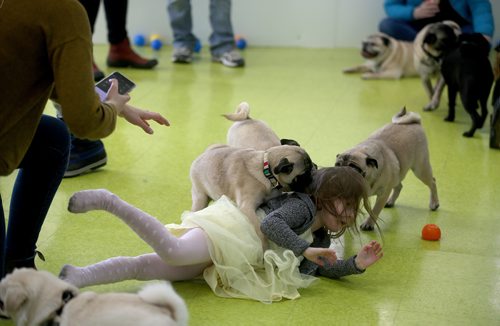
[(477, 12)]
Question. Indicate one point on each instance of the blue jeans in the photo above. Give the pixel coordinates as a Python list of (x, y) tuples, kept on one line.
[(222, 37), (407, 30), (38, 178)]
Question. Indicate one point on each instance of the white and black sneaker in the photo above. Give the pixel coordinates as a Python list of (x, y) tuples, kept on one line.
[(182, 55), (231, 59)]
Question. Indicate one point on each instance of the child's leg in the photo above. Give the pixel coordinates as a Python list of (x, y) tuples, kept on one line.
[(190, 249), (145, 267)]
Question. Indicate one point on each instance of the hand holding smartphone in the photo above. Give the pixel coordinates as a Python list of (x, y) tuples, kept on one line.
[(125, 85)]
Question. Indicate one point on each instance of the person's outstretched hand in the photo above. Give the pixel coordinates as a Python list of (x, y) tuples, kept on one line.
[(368, 255), (321, 256), (427, 9), (132, 114)]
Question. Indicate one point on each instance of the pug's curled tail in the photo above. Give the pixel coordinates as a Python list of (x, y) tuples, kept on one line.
[(242, 113), (164, 296), (406, 118)]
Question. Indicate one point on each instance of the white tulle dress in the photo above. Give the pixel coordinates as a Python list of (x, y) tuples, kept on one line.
[(241, 268)]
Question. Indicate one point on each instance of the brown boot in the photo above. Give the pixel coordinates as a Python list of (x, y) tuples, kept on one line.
[(122, 55)]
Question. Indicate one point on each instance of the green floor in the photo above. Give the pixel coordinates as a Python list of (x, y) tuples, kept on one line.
[(303, 95)]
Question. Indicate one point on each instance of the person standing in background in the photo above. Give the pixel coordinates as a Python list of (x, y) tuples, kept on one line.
[(407, 17), (222, 45), (120, 53)]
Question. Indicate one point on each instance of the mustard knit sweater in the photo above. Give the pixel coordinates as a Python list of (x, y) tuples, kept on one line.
[(46, 49)]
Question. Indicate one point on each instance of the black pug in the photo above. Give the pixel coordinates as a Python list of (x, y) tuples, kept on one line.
[(467, 70)]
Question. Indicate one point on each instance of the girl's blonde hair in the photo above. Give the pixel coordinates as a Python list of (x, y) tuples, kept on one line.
[(344, 183)]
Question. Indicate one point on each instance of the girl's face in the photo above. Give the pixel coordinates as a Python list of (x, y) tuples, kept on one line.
[(343, 217)]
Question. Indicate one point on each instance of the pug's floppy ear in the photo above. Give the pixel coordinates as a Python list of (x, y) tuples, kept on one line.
[(284, 166), (386, 40), (291, 142), (15, 296)]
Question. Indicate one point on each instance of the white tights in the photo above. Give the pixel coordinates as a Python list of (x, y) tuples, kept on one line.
[(174, 258)]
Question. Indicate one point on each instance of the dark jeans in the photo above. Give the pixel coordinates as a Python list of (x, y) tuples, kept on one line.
[(116, 17), (407, 30), (38, 178)]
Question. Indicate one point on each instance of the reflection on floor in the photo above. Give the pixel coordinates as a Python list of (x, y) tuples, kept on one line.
[(303, 95)]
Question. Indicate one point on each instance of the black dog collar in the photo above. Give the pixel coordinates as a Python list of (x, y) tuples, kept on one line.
[(269, 174)]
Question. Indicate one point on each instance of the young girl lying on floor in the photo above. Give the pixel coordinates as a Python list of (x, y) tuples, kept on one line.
[(219, 242)]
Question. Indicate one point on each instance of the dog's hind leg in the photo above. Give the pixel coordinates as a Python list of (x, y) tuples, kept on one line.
[(470, 105), (483, 102), (394, 196), (423, 172)]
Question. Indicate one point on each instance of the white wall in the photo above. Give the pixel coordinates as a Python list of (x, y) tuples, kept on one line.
[(301, 23)]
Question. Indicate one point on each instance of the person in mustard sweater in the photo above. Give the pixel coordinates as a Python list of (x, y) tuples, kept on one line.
[(46, 50)]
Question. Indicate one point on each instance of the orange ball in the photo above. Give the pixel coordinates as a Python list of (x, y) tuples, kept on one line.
[(431, 232)]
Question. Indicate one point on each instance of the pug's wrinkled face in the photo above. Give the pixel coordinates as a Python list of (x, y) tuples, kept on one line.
[(294, 170), (440, 38), (375, 46), (358, 161)]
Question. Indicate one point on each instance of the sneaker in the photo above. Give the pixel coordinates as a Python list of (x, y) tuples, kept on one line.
[(85, 155), (231, 59), (182, 55)]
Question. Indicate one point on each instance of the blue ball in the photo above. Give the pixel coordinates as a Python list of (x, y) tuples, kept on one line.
[(197, 46), (156, 44), (139, 40), (241, 43)]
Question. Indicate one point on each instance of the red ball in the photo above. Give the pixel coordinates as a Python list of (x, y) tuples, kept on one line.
[(431, 232)]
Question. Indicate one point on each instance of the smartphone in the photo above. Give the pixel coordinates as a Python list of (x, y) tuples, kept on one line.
[(125, 85)]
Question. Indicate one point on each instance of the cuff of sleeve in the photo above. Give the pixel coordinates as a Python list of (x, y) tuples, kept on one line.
[(301, 247), (352, 261)]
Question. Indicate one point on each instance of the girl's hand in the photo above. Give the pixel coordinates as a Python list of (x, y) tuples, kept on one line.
[(132, 114), (324, 257), (368, 255)]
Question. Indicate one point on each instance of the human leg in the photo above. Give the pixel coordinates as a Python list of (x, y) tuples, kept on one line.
[(222, 37), (189, 249), (116, 20), (398, 29), (144, 268), (92, 9), (222, 45), (38, 179), (179, 12), (121, 53)]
